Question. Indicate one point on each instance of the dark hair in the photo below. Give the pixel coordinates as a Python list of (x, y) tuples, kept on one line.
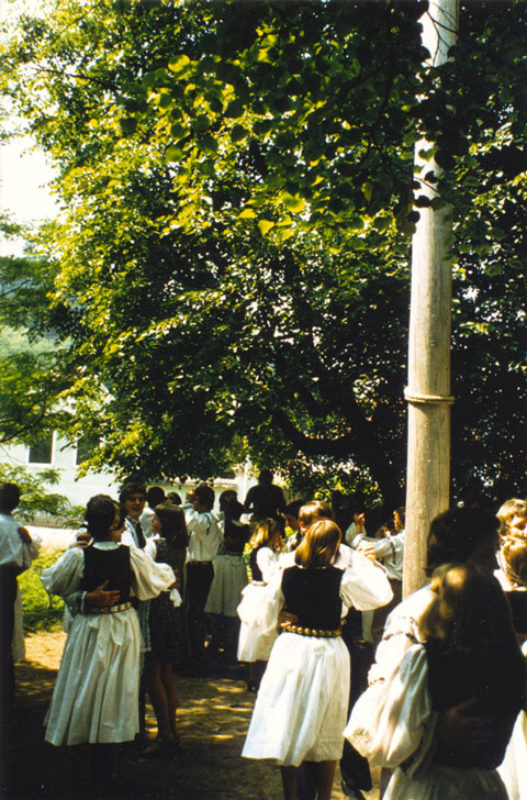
[(265, 476), (205, 495), (320, 544), (101, 512), (455, 535), (9, 497), (174, 497), (227, 496), (292, 508), (155, 495), (468, 609), (232, 509), (173, 526), (130, 488)]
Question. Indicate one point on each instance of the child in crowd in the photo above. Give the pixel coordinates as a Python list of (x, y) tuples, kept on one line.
[(468, 655), (302, 702), (257, 633), (95, 699), (167, 629), (292, 522), (230, 579)]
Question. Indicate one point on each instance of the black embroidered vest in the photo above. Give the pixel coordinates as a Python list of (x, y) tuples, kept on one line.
[(111, 565)]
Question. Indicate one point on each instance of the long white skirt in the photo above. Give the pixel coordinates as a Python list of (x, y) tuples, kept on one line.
[(513, 770), (446, 783), (230, 579), (95, 698), (301, 708)]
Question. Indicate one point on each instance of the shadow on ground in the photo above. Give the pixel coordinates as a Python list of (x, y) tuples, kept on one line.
[(213, 720)]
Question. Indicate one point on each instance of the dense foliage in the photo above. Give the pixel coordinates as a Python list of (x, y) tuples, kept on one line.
[(230, 270), (42, 612)]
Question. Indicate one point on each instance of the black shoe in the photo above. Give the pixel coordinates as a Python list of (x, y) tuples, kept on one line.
[(351, 792)]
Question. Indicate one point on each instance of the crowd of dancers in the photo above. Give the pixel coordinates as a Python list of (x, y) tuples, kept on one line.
[(432, 688)]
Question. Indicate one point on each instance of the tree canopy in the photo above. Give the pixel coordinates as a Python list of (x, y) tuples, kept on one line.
[(230, 268)]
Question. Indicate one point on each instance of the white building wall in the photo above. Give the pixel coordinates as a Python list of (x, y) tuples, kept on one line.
[(64, 460)]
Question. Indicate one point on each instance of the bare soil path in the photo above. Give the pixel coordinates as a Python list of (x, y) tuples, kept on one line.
[(214, 718)]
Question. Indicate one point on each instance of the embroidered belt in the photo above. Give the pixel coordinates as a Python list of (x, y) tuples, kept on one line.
[(311, 631), (112, 609)]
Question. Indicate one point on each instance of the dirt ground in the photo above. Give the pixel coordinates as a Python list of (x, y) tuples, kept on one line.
[(213, 719)]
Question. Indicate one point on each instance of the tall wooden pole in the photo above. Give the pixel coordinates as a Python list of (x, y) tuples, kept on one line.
[(428, 390)]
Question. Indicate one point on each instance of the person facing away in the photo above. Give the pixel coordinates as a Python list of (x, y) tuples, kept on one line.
[(459, 535), (266, 499), (468, 656)]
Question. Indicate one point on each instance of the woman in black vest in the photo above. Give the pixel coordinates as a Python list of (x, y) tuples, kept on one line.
[(95, 699)]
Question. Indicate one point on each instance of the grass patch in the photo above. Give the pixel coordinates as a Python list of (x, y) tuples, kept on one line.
[(41, 612)]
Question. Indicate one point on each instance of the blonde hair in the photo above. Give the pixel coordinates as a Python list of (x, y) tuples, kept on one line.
[(514, 559), (314, 510), (320, 544), (264, 532), (511, 508)]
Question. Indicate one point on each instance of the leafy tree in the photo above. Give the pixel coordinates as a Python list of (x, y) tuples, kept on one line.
[(231, 266), (35, 495), (32, 376)]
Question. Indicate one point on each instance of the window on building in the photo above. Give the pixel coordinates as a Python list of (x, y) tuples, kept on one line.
[(41, 451)]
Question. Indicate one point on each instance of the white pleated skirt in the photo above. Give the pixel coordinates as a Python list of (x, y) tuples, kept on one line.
[(437, 782), (95, 699), (301, 708), (230, 579)]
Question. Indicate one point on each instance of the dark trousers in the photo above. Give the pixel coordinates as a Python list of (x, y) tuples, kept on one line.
[(354, 768), (8, 587), (199, 580)]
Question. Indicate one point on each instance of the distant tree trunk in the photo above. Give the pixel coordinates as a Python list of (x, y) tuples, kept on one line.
[(428, 391)]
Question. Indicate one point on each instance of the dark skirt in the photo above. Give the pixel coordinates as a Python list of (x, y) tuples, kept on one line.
[(167, 631)]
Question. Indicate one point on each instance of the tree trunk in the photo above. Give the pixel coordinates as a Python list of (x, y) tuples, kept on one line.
[(428, 391)]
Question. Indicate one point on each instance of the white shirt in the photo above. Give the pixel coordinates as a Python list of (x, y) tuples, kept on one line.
[(204, 534), (145, 520), (390, 551), (129, 537), (11, 545)]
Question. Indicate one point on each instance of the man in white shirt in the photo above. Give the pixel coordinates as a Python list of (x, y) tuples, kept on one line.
[(12, 538), (204, 540)]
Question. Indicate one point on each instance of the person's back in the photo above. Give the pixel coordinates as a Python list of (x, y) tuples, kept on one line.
[(468, 666), (266, 499)]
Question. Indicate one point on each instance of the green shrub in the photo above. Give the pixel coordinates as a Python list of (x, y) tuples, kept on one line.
[(42, 612)]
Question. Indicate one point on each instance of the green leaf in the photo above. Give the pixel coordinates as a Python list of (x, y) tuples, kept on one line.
[(179, 64), (128, 125), (234, 109), (239, 133), (367, 191), (265, 226), (295, 204), (247, 213)]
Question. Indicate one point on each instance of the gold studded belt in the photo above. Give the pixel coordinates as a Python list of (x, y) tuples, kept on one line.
[(311, 631), (111, 609)]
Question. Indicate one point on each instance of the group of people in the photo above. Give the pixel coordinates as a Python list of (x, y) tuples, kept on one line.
[(440, 706)]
